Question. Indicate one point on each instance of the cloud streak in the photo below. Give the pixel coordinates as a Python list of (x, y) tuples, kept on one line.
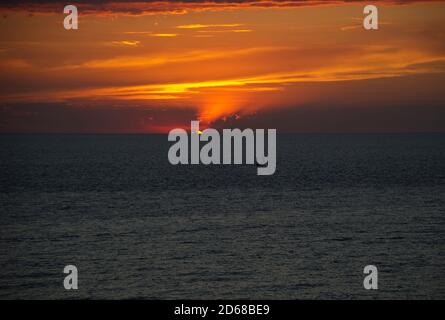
[(202, 26), (124, 7)]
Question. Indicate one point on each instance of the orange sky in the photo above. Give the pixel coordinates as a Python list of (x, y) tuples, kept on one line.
[(155, 68)]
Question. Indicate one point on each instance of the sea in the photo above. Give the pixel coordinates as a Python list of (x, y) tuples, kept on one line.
[(137, 227)]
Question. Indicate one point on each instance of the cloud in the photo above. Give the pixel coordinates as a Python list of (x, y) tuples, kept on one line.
[(164, 35), (127, 43), (87, 118), (128, 7), (226, 31), (201, 26)]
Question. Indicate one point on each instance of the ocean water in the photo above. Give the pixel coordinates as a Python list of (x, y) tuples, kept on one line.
[(137, 227)]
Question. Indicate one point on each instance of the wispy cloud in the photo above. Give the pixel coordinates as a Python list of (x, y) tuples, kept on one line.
[(138, 61), (226, 31), (202, 26), (127, 43), (142, 33), (163, 35)]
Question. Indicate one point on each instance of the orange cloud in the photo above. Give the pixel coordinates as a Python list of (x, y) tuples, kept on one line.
[(226, 31), (164, 35), (127, 43), (201, 26)]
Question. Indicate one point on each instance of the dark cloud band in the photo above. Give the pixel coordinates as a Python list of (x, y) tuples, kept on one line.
[(128, 7)]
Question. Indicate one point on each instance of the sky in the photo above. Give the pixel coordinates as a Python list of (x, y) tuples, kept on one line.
[(149, 67)]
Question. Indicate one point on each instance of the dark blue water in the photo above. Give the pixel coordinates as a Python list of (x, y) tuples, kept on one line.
[(138, 227)]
